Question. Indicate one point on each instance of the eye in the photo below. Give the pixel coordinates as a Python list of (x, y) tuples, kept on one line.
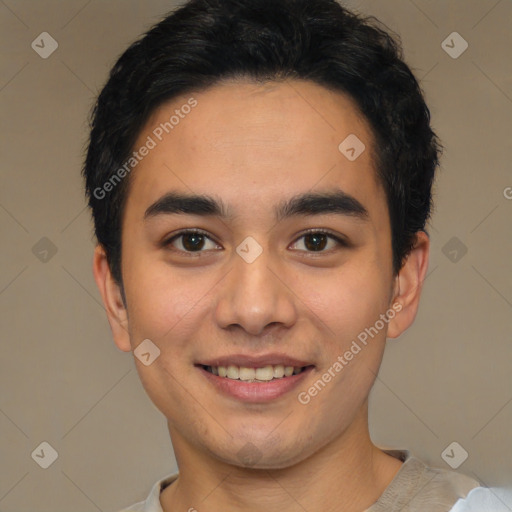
[(196, 241), (191, 240), (318, 240)]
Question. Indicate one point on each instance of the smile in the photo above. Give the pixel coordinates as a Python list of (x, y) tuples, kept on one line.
[(263, 374), (259, 384)]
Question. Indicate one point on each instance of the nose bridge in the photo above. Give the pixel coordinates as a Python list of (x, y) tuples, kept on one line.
[(253, 296)]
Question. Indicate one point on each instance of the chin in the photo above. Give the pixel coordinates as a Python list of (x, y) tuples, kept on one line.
[(267, 452)]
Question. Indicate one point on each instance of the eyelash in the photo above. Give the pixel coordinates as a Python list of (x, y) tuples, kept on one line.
[(337, 239)]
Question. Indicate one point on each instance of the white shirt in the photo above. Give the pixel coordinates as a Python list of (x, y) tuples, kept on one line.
[(483, 499)]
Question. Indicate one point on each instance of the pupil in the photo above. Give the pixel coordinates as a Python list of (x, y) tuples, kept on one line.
[(319, 241), (196, 239)]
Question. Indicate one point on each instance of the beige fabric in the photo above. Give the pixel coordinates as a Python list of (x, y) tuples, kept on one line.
[(419, 488), (415, 488)]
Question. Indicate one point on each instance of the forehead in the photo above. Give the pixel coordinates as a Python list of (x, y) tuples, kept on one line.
[(243, 141)]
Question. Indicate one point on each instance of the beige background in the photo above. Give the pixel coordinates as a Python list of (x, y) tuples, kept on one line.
[(63, 381)]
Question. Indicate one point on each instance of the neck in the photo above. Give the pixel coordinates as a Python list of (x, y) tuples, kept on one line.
[(349, 473)]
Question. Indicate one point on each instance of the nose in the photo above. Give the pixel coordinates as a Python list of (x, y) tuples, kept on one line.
[(256, 297)]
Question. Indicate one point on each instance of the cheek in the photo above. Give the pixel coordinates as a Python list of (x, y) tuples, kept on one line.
[(346, 300), (163, 302)]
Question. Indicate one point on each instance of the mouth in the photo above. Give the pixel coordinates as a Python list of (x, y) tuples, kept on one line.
[(252, 381), (261, 374)]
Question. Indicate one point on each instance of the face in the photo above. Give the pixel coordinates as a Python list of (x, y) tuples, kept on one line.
[(251, 241)]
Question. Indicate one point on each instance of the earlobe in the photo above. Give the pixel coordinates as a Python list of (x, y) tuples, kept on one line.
[(112, 299), (408, 286)]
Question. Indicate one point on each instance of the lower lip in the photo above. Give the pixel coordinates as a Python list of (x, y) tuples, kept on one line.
[(256, 392)]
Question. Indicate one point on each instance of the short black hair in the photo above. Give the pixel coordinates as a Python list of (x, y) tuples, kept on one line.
[(207, 41)]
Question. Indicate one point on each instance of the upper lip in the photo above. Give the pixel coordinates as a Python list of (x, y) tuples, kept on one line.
[(251, 361)]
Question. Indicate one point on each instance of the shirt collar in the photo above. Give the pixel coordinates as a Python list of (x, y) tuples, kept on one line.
[(152, 503)]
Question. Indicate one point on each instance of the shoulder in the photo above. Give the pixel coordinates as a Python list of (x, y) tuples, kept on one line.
[(483, 499), (152, 502), (418, 487), (137, 507), (440, 479)]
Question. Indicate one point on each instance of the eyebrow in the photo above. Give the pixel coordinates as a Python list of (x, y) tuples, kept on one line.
[(314, 203)]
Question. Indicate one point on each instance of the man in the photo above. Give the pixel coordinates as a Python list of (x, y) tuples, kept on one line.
[(260, 178)]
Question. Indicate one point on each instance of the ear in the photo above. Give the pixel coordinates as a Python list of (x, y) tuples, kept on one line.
[(408, 285), (112, 299)]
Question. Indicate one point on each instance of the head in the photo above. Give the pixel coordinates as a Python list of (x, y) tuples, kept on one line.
[(297, 124)]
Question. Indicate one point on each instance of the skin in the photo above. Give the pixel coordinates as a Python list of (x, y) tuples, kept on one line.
[(253, 146)]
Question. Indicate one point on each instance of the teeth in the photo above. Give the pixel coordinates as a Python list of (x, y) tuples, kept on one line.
[(247, 374), (278, 371), (263, 374), (233, 372)]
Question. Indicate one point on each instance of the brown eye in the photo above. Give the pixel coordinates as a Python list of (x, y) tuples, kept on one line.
[(191, 241), (315, 241), (318, 241)]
